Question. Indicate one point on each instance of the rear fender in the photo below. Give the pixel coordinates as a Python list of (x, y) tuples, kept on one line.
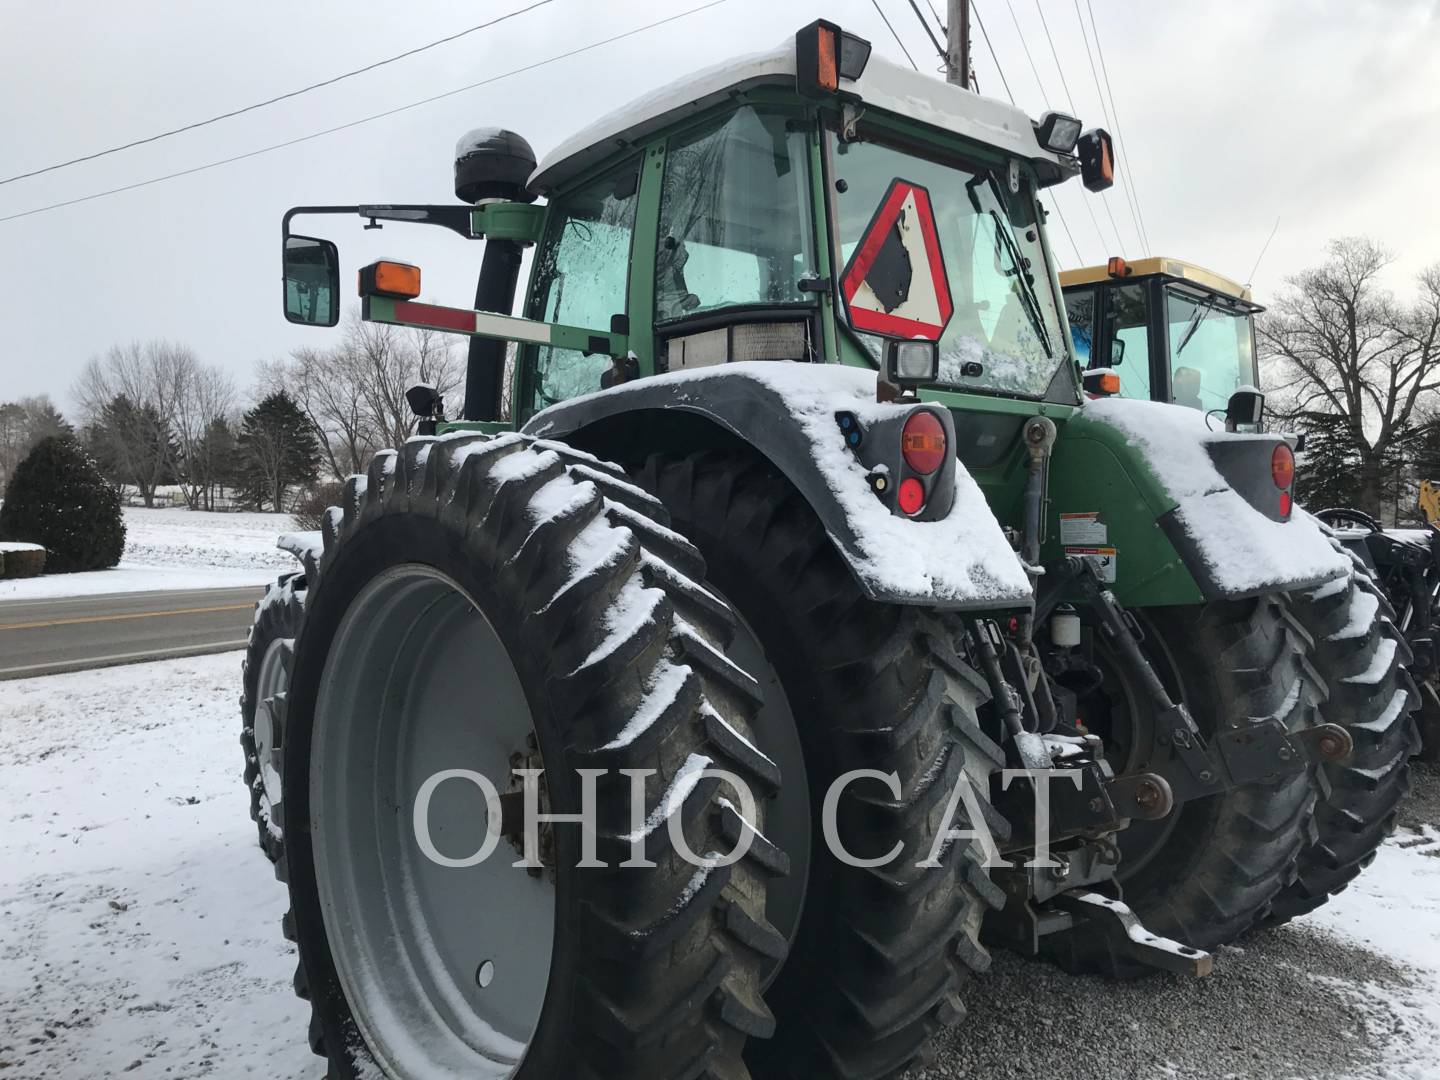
[(951, 554), (1213, 499)]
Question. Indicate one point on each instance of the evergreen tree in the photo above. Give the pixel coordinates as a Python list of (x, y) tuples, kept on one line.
[(58, 499), (134, 444), (277, 448)]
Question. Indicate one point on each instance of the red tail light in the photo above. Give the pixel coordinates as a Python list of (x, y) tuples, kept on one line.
[(1286, 504), (922, 443), (911, 495), (1282, 466)]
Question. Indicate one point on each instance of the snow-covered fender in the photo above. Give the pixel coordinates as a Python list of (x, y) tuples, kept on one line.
[(953, 554), (1212, 497)]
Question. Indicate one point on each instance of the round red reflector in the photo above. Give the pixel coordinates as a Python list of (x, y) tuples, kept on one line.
[(1282, 466), (922, 442), (1285, 504), (911, 495)]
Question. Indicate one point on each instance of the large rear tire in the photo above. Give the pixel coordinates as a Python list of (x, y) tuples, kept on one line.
[(265, 677), (878, 955), (1362, 655), (1211, 869), (486, 603)]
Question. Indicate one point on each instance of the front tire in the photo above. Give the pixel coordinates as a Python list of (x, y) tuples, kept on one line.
[(482, 603), (265, 677)]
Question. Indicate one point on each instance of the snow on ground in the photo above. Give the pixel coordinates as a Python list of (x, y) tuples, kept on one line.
[(139, 928), (139, 921), (176, 549)]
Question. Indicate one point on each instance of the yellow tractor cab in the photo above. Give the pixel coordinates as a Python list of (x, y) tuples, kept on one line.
[(1162, 330)]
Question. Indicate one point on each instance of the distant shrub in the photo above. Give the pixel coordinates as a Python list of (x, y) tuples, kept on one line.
[(58, 499), (310, 508), (18, 562)]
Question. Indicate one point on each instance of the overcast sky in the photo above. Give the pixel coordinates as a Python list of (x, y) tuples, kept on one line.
[(1323, 114)]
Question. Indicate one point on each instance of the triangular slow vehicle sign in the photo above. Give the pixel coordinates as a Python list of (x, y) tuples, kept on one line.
[(895, 283)]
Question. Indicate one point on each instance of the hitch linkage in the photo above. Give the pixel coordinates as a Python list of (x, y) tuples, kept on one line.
[(1189, 764)]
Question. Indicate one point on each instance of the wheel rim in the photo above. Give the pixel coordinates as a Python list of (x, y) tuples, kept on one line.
[(786, 816), (273, 679), (445, 969)]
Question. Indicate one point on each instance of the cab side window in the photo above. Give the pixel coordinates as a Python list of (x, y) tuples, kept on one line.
[(582, 270), (1080, 307), (1127, 329)]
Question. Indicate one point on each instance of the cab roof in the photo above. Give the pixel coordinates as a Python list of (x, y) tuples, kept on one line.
[(883, 85), (1159, 264)]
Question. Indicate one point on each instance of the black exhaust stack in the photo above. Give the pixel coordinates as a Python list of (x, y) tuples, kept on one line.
[(492, 165)]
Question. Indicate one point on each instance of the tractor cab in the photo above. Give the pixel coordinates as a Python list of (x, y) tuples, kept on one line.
[(1167, 330), (811, 203)]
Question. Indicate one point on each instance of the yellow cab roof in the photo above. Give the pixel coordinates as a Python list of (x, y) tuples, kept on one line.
[(1159, 264)]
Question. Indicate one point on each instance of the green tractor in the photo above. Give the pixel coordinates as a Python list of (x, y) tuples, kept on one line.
[(695, 711)]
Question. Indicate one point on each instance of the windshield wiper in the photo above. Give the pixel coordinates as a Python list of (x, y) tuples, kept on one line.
[(1202, 312), (1023, 278)]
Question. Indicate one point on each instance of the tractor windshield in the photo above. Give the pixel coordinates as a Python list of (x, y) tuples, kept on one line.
[(1212, 348), (1005, 331)]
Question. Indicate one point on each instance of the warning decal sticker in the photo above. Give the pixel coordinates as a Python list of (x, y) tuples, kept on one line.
[(1086, 528), (895, 283), (1102, 557)]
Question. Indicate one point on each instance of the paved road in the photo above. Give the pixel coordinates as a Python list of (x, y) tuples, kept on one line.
[(45, 637)]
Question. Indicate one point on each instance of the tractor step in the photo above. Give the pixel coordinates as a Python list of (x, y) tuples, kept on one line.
[(1128, 936)]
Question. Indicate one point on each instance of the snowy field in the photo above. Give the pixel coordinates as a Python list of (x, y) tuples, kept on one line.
[(176, 549), (139, 927)]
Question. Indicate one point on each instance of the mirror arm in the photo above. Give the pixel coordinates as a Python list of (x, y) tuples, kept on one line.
[(295, 211), (455, 218)]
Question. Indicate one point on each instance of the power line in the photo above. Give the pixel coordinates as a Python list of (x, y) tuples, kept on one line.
[(999, 70), (367, 119), (1125, 185), (881, 12), (993, 58), (1024, 44), (1075, 112), (928, 32), (1115, 113), (271, 101)]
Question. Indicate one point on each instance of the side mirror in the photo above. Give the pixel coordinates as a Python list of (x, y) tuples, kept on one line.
[(312, 281), (1117, 351), (1246, 406)]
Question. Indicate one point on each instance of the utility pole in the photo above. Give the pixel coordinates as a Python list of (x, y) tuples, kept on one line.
[(957, 44)]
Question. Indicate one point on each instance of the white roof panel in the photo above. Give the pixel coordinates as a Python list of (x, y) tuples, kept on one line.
[(884, 85)]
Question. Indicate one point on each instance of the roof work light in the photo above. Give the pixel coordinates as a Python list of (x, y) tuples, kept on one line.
[(825, 54), (1058, 132)]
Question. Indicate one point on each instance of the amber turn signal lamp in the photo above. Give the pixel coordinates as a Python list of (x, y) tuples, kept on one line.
[(383, 278)]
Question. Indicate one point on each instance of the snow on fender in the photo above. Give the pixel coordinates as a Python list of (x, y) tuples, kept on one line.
[(1232, 548), (787, 412)]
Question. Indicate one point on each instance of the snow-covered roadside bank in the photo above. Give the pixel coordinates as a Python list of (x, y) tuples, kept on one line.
[(176, 549), (139, 922), (139, 927)]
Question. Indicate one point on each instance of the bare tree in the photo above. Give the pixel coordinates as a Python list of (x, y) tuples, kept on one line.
[(168, 389), (354, 393), (1338, 345)]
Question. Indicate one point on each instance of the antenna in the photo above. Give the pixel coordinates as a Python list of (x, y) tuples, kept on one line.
[(1249, 280)]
